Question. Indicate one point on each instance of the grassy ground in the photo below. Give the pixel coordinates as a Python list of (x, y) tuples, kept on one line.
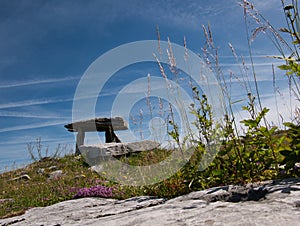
[(17, 195), (34, 185)]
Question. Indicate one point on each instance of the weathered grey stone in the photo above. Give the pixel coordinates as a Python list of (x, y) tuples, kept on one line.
[(6, 200), (144, 145), (115, 149), (52, 168), (104, 152), (41, 170), (98, 124), (55, 175), (278, 203), (22, 177)]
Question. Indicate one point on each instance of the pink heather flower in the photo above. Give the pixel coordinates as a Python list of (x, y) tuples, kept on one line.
[(96, 191)]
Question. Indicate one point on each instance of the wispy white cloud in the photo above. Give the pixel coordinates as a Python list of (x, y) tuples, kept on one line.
[(262, 65), (28, 115), (189, 14), (12, 84), (266, 5), (32, 139), (27, 103), (33, 126)]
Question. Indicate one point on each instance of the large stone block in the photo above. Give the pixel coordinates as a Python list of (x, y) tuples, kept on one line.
[(104, 152)]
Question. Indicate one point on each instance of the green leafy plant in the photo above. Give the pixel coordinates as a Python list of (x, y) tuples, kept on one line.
[(292, 67), (291, 161), (292, 29)]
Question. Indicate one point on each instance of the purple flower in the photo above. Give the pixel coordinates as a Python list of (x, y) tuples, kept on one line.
[(282, 172), (96, 191)]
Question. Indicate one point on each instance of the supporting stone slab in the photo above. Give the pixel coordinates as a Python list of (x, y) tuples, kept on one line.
[(105, 152)]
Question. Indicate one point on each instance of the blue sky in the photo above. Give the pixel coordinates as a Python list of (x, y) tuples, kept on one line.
[(46, 47)]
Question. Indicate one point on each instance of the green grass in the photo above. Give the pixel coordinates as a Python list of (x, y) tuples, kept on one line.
[(39, 190), (19, 195)]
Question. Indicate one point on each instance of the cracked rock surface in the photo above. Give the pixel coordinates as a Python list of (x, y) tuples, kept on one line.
[(266, 203)]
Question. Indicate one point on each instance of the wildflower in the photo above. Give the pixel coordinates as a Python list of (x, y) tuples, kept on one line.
[(282, 172), (96, 191)]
